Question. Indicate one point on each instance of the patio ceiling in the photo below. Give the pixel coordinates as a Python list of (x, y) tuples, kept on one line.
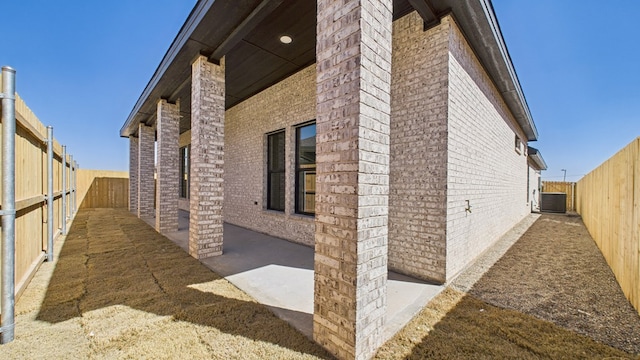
[(247, 33)]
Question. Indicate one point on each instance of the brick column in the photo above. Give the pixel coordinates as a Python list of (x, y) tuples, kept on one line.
[(168, 176), (146, 183), (133, 174), (207, 150), (352, 183)]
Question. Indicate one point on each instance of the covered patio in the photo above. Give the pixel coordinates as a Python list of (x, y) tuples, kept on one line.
[(279, 274), (279, 112)]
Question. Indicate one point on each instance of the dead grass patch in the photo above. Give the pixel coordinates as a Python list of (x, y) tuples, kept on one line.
[(131, 293), (473, 329)]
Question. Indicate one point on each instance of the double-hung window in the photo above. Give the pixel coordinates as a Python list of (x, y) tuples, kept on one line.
[(275, 171), (184, 171)]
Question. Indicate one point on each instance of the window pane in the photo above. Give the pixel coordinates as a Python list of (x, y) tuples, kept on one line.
[(276, 193), (184, 172), (276, 152), (306, 169), (275, 171), (306, 192), (307, 145)]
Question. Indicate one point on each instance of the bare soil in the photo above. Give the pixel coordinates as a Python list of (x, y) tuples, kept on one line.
[(119, 290), (551, 295), (557, 273)]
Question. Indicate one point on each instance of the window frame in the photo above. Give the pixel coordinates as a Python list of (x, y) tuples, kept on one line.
[(299, 170), (184, 154), (269, 205)]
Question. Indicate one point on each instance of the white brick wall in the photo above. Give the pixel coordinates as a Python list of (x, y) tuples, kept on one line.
[(418, 159), (451, 140), (282, 106), (534, 189), (483, 165)]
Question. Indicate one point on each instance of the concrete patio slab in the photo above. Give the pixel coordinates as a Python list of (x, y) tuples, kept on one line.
[(279, 274)]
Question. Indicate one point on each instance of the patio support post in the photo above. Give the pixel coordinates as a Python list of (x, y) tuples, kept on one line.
[(133, 174), (146, 159), (207, 158), (50, 219), (168, 177), (63, 215), (353, 54), (8, 285)]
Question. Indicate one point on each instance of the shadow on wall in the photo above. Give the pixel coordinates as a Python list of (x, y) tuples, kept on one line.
[(107, 192), (111, 257)]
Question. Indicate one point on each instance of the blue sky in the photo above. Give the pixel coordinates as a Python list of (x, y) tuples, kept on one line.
[(82, 65), (578, 64)]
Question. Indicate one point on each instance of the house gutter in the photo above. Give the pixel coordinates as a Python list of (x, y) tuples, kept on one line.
[(525, 120), (196, 15), (537, 159)]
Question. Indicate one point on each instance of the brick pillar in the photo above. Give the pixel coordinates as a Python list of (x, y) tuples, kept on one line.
[(168, 177), (133, 174), (352, 183), (146, 183), (207, 150)]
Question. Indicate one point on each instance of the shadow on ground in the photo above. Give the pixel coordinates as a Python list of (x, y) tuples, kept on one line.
[(111, 258), (551, 295), (474, 329)]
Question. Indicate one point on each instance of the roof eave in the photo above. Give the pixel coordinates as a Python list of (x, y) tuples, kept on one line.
[(536, 158), (199, 11), (514, 96)]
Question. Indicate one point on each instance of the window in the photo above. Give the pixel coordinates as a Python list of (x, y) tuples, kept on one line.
[(518, 144), (275, 171), (306, 169), (184, 171)]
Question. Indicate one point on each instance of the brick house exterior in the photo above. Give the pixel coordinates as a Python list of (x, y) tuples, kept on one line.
[(420, 160), (536, 166)]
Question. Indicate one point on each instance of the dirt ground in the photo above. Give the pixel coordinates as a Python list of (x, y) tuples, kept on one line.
[(555, 272), (551, 295), (119, 290)]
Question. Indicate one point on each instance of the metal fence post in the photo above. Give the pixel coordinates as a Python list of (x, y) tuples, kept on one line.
[(50, 206), (73, 186), (7, 321), (75, 191), (63, 215)]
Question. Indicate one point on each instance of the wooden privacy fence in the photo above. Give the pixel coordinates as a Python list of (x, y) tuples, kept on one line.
[(31, 191), (608, 199), (103, 189), (562, 187)]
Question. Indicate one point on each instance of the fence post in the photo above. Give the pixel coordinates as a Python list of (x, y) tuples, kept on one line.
[(50, 220), (7, 321), (75, 187), (64, 191), (72, 185)]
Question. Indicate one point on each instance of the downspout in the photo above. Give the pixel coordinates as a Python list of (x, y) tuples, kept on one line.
[(64, 190), (50, 220), (8, 213)]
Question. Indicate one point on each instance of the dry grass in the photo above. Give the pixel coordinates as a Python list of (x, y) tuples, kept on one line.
[(555, 272), (119, 290), (459, 326)]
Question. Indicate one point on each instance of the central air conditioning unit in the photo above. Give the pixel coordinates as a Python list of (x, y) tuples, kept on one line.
[(553, 202)]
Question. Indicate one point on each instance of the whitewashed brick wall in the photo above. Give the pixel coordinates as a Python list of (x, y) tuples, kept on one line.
[(483, 165), (451, 140), (534, 190), (282, 106), (418, 161)]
